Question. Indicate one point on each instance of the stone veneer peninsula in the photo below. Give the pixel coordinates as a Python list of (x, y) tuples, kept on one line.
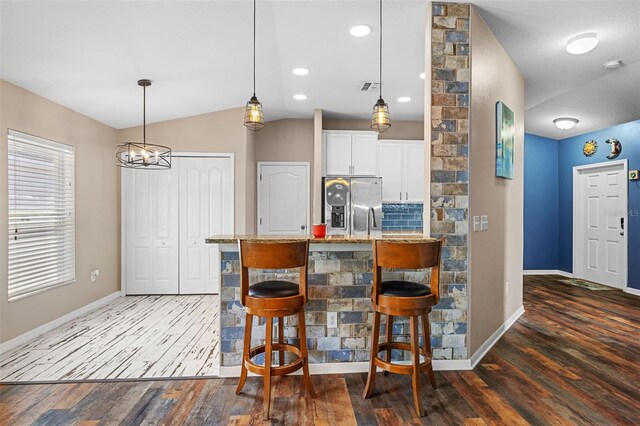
[(339, 280)]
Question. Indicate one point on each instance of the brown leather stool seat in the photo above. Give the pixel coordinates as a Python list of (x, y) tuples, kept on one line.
[(404, 299), (404, 289), (273, 288), (274, 300)]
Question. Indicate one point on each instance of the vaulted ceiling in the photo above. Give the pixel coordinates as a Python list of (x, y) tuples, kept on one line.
[(88, 55)]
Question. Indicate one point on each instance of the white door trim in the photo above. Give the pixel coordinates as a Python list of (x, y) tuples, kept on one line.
[(577, 230), (123, 181), (305, 164)]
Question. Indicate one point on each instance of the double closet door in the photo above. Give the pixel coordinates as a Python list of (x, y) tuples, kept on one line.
[(167, 214)]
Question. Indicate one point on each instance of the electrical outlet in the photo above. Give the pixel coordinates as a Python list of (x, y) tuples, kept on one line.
[(94, 275), (634, 175), (332, 320), (506, 289)]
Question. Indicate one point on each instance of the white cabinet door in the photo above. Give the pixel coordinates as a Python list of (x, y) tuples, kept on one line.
[(338, 154), (391, 171), (206, 200), (364, 154), (150, 231), (413, 165), (283, 199)]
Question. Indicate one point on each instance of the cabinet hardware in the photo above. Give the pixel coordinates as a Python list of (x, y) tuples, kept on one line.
[(400, 195), (406, 196)]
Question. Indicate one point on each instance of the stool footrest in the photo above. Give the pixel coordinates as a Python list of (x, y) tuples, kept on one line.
[(279, 370), (400, 368)]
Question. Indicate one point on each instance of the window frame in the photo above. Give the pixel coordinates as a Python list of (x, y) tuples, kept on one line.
[(69, 254)]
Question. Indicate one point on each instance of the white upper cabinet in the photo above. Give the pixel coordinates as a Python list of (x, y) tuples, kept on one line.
[(350, 153), (402, 171)]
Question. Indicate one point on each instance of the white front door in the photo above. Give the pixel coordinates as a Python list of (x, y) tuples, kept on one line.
[(283, 198), (601, 215), (150, 228), (206, 209)]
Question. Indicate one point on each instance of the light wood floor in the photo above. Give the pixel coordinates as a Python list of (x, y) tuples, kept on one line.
[(130, 338), (572, 358)]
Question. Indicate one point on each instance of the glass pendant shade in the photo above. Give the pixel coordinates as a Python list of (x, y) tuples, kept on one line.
[(253, 117), (136, 155), (380, 120)]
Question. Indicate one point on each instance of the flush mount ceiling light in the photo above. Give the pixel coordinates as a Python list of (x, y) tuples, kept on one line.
[(380, 120), (422, 75), (299, 97), (404, 99), (300, 71), (610, 65), (253, 116), (582, 44), (136, 155), (360, 30), (565, 123)]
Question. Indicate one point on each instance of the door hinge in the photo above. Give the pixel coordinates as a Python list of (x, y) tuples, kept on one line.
[(260, 221), (260, 177)]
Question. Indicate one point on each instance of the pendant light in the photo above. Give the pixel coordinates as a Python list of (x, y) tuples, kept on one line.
[(253, 117), (380, 120), (136, 155)]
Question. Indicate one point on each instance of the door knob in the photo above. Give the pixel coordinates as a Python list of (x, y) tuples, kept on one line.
[(303, 227)]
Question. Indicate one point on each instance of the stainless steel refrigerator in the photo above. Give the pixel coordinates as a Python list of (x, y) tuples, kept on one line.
[(353, 205)]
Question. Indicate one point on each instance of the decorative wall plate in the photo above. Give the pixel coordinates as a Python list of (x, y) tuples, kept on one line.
[(590, 148), (616, 148)]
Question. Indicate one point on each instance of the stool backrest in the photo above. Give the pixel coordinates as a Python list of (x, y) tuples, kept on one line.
[(273, 255), (406, 255)]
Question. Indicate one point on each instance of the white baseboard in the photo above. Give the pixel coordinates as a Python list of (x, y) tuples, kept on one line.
[(633, 291), (547, 272), (29, 335), (354, 367), (488, 344)]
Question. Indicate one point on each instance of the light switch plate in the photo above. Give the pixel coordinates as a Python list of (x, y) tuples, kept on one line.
[(484, 222), (476, 223), (634, 175)]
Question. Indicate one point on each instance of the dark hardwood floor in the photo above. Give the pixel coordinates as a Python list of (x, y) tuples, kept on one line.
[(573, 358)]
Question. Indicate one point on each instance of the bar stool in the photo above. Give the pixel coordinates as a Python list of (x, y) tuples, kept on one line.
[(273, 299), (407, 299)]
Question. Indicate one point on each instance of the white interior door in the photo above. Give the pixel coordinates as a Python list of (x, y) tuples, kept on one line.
[(602, 209), (283, 198), (206, 209), (150, 223)]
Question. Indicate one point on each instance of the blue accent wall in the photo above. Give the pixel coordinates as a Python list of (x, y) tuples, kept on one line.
[(570, 155), (541, 222), (402, 217)]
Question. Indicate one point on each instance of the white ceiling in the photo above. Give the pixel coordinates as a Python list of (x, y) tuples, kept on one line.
[(88, 55)]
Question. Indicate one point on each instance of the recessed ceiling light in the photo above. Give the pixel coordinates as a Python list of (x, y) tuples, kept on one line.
[(404, 99), (565, 123), (360, 30), (300, 71), (612, 64), (582, 44), (299, 97), (422, 75)]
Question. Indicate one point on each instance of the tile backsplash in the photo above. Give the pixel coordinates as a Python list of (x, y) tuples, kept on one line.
[(402, 217)]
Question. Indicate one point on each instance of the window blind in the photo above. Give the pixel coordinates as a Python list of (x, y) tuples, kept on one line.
[(41, 214)]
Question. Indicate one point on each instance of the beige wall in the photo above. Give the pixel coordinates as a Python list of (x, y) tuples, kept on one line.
[(216, 132), (97, 208), (407, 130), (287, 140), (496, 254)]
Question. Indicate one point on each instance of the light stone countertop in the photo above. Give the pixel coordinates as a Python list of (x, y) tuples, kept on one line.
[(333, 239)]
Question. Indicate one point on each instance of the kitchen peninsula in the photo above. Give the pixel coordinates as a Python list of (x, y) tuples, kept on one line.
[(338, 312)]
